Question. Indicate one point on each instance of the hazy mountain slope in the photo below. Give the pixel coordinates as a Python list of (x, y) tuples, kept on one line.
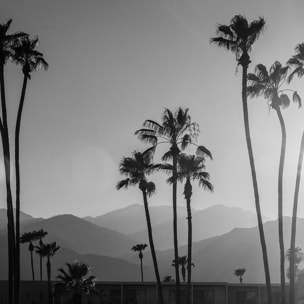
[(25, 219), (213, 221), (216, 258), (103, 267), (83, 237), (132, 218)]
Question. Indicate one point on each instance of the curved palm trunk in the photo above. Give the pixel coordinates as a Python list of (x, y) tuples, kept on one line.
[(177, 278), (17, 167), (48, 267), (188, 193), (294, 226), (280, 205), (149, 227), (10, 214), (244, 61)]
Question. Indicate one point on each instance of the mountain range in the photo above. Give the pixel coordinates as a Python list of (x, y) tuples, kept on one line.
[(108, 251)]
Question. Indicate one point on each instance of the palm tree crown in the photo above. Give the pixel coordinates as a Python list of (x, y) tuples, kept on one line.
[(297, 62), (270, 85), (25, 54), (139, 248), (239, 36)]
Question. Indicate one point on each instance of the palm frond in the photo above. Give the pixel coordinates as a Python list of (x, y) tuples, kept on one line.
[(202, 151), (296, 98), (167, 156), (151, 188), (123, 184), (284, 100)]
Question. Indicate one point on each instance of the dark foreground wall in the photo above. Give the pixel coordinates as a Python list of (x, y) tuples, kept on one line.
[(146, 293)]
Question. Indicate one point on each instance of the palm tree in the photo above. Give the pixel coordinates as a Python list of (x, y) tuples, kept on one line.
[(239, 272), (77, 280), (178, 131), (297, 62), (184, 263), (29, 237), (140, 248), (270, 85), (298, 258), (40, 234), (6, 43), (190, 168), (136, 168), (239, 37), (48, 250), (26, 55), (294, 226)]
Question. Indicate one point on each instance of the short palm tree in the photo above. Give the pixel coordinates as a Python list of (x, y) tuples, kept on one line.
[(239, 37), (177, 130), (77, 280), (270, 85), (140, 248), (184, 264), (40, 234), (48, 251), (297, 62), (26, 55), (239, 272), (298, 258), (136, 168), (29, 237)]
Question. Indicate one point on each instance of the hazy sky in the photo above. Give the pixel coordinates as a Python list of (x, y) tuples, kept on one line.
[(114, 64)]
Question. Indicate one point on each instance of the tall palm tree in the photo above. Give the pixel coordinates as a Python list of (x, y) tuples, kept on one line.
[(177, 130), (29, 237), (294, 225), (77, 280), (238, 37), (297, 62), (270, 84), (48, 250), (26, 55), (6, 43), (136, 168), (239, 272), (140, 248)]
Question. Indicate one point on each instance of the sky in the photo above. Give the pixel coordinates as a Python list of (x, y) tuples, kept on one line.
[(115, 63)]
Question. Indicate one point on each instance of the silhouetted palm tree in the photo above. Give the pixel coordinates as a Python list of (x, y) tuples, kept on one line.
[(48, 250), (77, 280), (239, 37), (177, 130), (40, 234), (297, 62), (294, 225), (6, 43), (26, 55), (270, 85), (298, 258), (190, 168), (136, 168), (140, 248), (239, 272), (183, 262), (29, 237)]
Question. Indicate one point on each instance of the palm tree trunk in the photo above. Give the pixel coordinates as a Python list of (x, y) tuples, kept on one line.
[(245, 64), (48, 267), (32, 266), (149, 227), (188, 193), (280, 205), (10, 214), (141, 270), (294, 226), (17, 167), (177, 278)]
